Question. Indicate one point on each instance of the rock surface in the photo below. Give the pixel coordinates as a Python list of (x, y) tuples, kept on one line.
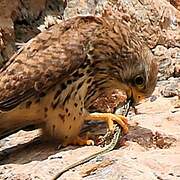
[(151, 149), (19, 22)]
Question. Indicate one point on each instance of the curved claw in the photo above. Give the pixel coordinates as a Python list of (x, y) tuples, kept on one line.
[(110, 118)]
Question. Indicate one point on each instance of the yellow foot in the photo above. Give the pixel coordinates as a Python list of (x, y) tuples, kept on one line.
[(109, 118), (79, 141)]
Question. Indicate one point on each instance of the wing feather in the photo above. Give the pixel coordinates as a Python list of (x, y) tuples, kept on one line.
[(44, 60)]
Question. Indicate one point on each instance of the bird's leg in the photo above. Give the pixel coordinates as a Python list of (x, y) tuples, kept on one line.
[(109, 118), (79, 141), (83, 141)]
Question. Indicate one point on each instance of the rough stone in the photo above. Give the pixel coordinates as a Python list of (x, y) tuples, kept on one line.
[(172, 88), (19, 21), (151, 148)]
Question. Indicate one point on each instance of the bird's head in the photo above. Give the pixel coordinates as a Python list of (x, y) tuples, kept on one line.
[(123, 61), (131, 65), (137, 74), (142, 80)]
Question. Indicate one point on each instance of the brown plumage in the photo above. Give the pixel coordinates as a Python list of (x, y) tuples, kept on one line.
[(56, 77)]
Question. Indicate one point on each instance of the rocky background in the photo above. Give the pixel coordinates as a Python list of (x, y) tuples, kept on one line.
[(151, 150)]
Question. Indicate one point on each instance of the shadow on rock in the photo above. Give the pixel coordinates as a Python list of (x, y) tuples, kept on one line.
[(35, 150)]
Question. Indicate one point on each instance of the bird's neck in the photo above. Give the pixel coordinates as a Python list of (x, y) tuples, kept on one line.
[(101, 82)]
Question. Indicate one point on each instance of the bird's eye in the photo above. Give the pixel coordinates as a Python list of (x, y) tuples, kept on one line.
[(139, 81)]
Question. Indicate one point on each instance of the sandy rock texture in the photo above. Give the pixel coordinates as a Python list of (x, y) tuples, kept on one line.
[(19, 22), (151, 149)]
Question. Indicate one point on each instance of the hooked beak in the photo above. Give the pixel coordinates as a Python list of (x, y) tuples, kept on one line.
[(135, 97)]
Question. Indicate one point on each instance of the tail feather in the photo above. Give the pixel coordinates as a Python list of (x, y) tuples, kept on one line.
[(14, 101), (5, 132), (20, 118)]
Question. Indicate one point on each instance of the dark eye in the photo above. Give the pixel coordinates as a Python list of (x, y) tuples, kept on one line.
[(139, 81)]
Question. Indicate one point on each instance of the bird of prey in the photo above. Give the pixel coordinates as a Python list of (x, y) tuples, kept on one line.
[(55, 77)]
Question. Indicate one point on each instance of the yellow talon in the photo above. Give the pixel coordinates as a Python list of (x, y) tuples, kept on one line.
[(109, 118)]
